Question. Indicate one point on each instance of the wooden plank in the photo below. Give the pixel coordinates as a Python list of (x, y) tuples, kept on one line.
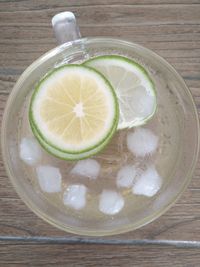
[(170, 28), (17, 254), (112, 15), (25, 5)]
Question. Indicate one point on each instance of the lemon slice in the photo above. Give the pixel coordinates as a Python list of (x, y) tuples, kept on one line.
[(73, 110), (133, 86)]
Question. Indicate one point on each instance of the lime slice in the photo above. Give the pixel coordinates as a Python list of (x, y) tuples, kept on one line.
[(133, 86), (67, 156), (73, 110)]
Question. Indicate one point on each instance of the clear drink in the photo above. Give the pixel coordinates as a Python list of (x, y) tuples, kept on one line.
[(114, 157)]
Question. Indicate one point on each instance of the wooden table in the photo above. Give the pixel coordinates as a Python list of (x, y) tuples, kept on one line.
[(169, 27)]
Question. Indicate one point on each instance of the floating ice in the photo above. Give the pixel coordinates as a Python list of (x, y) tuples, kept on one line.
[(88, 167), (49, 178), (125, 176), (75, 196), (110, 202), (148, 184), (142, 142), (30, 151)]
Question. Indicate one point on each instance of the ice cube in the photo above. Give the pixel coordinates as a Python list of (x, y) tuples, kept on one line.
[(142, 142), (30, 151), (148, 184), (89, 168), (126, 175), (49, 178), (75, 196), (110, 202)]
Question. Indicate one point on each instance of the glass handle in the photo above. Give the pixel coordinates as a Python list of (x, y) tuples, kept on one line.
[(65, 27)]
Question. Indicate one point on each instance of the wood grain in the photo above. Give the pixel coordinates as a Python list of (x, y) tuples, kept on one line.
[(171, 29), (32, 254)]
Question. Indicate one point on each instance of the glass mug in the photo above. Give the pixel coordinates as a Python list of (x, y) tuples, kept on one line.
[(175, 122)]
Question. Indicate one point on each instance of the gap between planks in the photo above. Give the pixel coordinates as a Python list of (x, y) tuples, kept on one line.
[(78, 240)]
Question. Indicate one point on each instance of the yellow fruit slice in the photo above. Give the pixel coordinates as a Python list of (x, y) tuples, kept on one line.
[(74, 109), (133, 86)]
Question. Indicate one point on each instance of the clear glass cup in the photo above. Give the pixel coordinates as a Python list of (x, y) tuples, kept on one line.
[(176, 121)]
